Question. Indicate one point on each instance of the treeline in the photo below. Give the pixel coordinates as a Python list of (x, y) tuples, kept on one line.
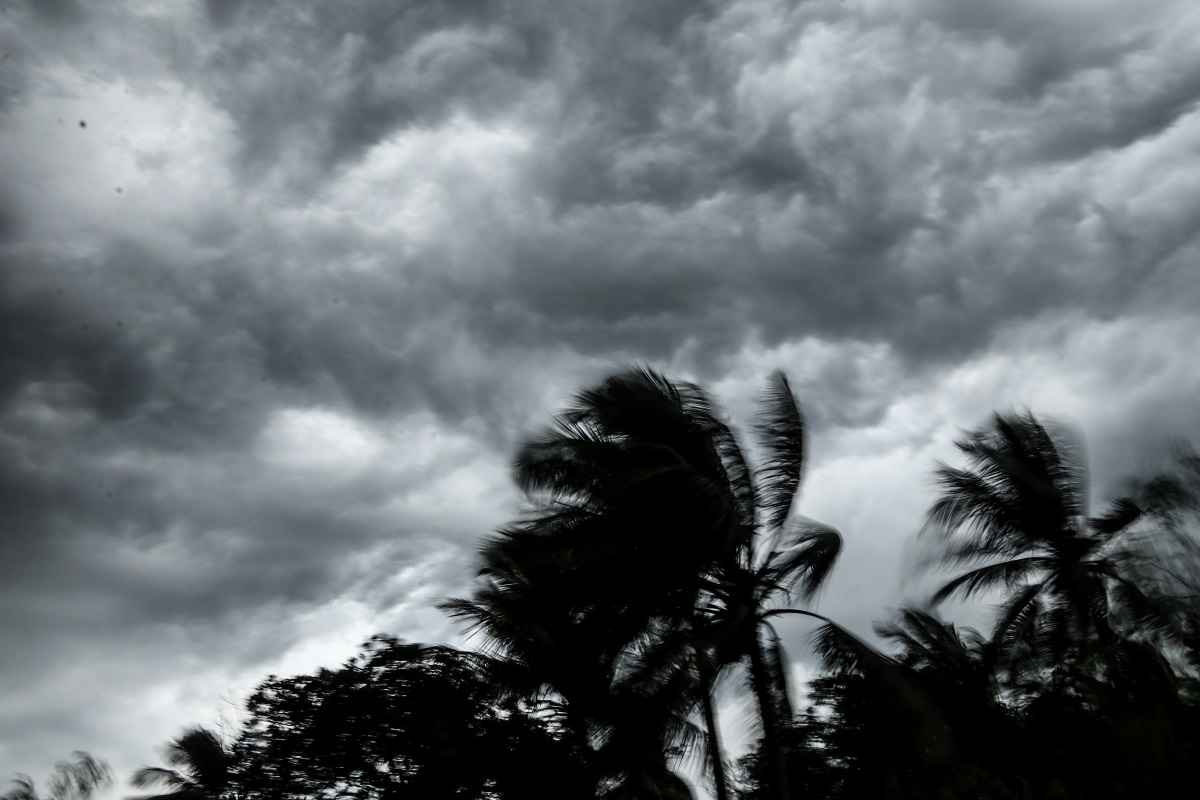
[(644, 586)]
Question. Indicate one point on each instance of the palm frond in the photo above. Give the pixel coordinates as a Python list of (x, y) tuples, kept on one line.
[(781, 432), (643, 406), (23, 789), (739, 479), (79, 779), (1120, 515), (807, 554), (1003, 574), (1017, 616), (569, 459), (159, 776), (775, 660), (971, 505), (1152, 617), (843, 653), (938, 649), (922, 637), (1023, 485)]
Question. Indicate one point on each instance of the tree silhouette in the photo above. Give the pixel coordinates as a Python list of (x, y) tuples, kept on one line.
[(647, 578), (398, 721), (200, 768), (1017, 516), (632, 507), (78, 779), (651, 542), (786, 560)]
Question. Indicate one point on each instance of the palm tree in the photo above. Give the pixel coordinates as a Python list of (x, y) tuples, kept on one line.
[(1016, 515), (954, 672), (632, 504), (200, 768), (780, 559), (736, 624), (651, 541), (79, 779)]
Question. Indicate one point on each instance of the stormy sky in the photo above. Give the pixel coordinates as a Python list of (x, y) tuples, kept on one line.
[(284, 285)]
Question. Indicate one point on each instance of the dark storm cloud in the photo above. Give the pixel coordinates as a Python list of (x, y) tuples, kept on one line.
[(57, 12), (311, 90), (848, 228), (112, 403), (671, 205), (134, 393)]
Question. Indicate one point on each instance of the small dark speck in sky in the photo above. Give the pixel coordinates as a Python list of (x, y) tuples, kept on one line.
[(119, 190), (83, 123)]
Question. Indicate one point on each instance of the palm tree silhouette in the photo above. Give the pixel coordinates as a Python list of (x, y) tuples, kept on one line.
[(651, 542), (632, 504), (200, 768), (78, 779), (1017, 516)]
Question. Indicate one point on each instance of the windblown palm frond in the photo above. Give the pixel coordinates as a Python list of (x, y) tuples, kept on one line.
[(200, 768), (78, 779), (799, 567), (640, 571), (843, 653), (781, 432), (1004, 574), (1017, 514)]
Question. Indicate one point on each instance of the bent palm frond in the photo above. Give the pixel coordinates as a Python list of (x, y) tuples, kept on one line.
[(1005, 574), (781, 432), (807, 554)]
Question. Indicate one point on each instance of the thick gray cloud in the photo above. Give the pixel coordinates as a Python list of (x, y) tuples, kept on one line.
[(282, 287)]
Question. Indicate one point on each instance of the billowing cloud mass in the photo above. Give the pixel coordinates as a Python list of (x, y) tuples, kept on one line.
[(282, 286)]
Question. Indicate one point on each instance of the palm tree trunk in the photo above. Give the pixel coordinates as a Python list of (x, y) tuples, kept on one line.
[(715, 753), (768, 707)]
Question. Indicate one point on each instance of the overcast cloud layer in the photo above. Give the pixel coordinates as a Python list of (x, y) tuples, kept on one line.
[(282, 286)]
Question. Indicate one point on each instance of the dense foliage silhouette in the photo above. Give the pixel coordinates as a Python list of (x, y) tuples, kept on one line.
[(647, 567), (1088, 685), (398, 721)]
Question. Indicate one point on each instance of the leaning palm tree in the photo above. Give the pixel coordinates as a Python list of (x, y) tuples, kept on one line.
[(737, 623), (651, 541), (632, 504), (200, 768), (923, 720), (1017, 517), (784, 560)]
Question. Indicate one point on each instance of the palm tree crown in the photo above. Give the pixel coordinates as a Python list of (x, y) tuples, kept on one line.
[(200, 768), (652, 551), (1017, 515)]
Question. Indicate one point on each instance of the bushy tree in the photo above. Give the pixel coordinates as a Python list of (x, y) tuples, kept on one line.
[(398, 721)]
